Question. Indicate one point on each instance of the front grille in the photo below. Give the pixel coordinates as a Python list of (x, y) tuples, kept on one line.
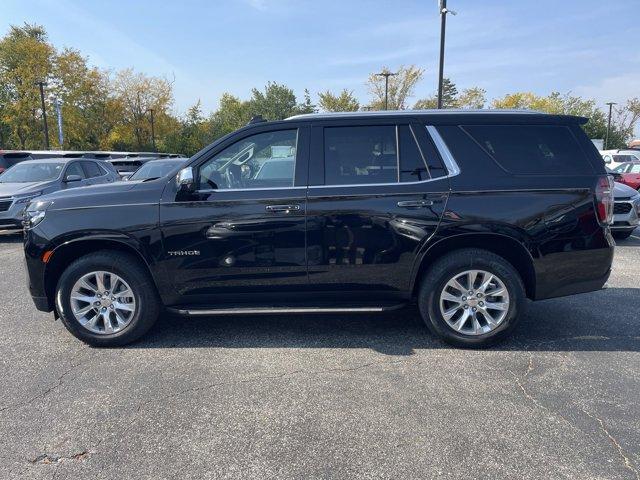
[(620, 208), (5, 204)]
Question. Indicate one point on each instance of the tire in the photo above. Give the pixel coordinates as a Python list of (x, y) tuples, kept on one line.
[(621, 235), (456, 263), (144, 298)]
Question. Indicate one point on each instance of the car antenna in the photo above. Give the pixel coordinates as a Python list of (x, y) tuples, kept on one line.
[(256, 119)]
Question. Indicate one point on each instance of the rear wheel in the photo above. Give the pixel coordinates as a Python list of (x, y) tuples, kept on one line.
[(471, 298), (107, 299)]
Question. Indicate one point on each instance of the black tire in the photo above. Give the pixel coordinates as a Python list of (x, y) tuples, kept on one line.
[(129, 268), (459, 261), (622, 235)]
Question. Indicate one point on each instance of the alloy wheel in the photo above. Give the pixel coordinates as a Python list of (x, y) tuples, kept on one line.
[(102, 302), (474, 302)]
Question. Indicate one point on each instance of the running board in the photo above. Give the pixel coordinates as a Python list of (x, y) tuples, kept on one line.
[(281, 310)]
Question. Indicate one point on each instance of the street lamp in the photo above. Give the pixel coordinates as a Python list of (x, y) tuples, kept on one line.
[(153, 132), (41, 84), (606, 138), (443, 23), (386, 76)]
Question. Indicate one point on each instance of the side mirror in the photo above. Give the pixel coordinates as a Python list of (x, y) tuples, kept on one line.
[(73, 178), (185, 180)]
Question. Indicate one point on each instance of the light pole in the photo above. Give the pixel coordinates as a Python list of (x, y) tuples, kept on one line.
[(153, 132), (443, 25), (386, 76), (41, 84), (56, 103), (606, 138)]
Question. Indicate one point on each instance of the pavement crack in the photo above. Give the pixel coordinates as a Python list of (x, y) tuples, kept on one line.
[(47, 459), (58, 383), (628, 464)]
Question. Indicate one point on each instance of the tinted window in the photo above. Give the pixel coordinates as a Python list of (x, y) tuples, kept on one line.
[(74, 169), (360, 155), (635, 168), (532, 149), (240, 165), (412, 165), (92, 170)]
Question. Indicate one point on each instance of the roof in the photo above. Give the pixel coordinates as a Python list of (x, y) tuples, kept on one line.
[(394, 113), (56, 160), (450, 114)]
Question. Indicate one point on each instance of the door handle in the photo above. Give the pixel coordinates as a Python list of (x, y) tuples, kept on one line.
[(415, 204), (282, 208)]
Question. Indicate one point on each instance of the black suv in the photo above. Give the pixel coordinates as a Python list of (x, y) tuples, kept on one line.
[(466, 213)]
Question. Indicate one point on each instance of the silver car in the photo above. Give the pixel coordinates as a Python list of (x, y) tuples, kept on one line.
[(626, 210), (32, 178)]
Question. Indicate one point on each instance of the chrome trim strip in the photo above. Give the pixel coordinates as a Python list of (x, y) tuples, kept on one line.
[(211, 190), (444, 151), (253, 311), (395, 184)]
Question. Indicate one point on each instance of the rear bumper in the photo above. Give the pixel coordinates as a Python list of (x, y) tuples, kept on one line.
[(579, 271)]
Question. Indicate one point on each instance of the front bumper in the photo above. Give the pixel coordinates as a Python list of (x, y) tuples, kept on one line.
[(625, 216), (11, 214)]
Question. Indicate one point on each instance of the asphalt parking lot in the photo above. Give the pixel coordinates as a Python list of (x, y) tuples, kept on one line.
[(360, 396)]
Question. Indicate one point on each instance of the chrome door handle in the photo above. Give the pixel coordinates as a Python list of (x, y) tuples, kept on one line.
[(415, 204), (282, 208)]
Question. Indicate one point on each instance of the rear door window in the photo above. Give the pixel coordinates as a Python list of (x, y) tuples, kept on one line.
[(360, 155), (74, 169), (532, 149), (92, 169)]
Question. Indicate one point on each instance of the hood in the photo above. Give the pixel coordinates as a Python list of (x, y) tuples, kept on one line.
[(9, 189), (621, 190), (118, 193)]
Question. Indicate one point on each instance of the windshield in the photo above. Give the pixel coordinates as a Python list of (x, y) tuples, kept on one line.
[(153, 170), (624, 158), (27, 172)]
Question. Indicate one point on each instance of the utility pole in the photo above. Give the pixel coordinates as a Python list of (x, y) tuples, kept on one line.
[(443, 25), (386, 76), (606, 138), (153, 132), (56, 103), (44, 114)]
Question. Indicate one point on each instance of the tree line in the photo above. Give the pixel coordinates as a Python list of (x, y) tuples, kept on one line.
[(105, 110)]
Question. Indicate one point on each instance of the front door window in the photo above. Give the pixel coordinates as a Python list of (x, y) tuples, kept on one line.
[(264, 160)]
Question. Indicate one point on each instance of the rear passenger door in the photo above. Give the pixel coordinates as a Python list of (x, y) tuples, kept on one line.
[(376, 193)]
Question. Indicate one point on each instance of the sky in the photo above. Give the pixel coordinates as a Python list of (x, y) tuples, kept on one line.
[(207, 47)]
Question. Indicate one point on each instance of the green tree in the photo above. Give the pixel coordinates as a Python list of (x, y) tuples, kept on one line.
[(25, 58), (306, 106), (344, 102), (276, 102), (136, 95), (401, 87), (192, 134), (232, 114), (474, 97)]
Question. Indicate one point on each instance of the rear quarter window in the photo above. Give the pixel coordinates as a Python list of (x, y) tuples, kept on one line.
[(532, 149)]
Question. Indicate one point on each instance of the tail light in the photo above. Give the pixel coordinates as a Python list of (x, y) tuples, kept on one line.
[(1, 169), (604, 200)]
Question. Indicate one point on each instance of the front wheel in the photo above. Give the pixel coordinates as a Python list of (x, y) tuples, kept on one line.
[(471, 298), (107, 299)]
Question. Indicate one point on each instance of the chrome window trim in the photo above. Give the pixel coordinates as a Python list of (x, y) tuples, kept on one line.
[(444, 151), (396, 184), (211, 190)]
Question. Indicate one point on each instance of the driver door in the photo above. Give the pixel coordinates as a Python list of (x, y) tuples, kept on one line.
[(242, 233)]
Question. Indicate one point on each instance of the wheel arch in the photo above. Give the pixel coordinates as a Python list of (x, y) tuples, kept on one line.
[(71, 250), (505, 246)]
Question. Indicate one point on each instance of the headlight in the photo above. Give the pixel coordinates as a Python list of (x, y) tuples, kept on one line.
[(34, 213), (27, 198)]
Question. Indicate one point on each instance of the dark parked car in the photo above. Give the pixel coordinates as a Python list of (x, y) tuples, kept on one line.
[(468, 214), (30, 179), (9, 159), (157, 168)]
